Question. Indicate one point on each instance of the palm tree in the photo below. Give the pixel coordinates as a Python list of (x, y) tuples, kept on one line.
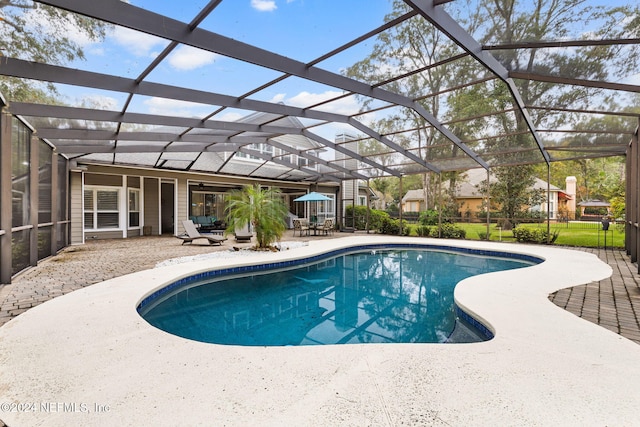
[(264, 209)]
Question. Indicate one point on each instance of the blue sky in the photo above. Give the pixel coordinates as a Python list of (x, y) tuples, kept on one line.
[(299, 29)]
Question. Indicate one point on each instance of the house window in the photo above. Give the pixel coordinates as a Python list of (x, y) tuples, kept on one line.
[(326, 209), (306, 163), (262, 148), (134, 207), (362, 200), (207, 204), (101, 208)]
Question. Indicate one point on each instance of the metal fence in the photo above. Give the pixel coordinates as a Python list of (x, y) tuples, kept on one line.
[(584, 222)]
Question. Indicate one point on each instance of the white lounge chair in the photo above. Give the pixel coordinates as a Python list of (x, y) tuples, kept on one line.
[(192, 233)]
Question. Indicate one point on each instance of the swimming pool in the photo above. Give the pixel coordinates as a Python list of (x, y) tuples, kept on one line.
[(369, 295), (108, 353)]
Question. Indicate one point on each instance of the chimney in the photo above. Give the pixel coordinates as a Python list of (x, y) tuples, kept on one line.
[(570, 187)]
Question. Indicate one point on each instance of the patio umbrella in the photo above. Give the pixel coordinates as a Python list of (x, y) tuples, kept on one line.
[(312, 197)]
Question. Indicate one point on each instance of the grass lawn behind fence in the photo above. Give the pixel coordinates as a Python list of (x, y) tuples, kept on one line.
[(570, 234)]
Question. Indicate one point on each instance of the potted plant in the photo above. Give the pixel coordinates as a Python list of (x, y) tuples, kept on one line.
[(263, 208)]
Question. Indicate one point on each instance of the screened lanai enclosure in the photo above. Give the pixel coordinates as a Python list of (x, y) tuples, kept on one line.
[(125, 114)]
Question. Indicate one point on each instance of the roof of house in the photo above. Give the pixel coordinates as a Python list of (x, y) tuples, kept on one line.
[(413, 195), (594, 203), (466, 187)]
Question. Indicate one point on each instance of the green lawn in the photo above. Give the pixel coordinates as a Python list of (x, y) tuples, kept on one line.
[(569, 234)]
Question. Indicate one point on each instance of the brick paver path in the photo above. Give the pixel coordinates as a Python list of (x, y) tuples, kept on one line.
[(613, 303)]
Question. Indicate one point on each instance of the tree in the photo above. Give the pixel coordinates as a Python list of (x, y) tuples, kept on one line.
[(40, 33), (264, 209), (382, 186), (512, 192), (412, 44), (478, 112), (510, 21)]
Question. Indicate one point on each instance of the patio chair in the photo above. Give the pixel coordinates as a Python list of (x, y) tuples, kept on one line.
[(300, 227), (192, 233), (326, 227)]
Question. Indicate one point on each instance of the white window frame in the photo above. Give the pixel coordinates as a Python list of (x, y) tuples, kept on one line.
[(94, 209), (326, 209), (261, 147), (138, 193)]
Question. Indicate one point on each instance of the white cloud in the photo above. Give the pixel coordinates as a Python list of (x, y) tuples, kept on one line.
[(97, 101), (278, 98), (345, 106), (189, 58), (229, 117), (173, 107), (139, 44), (264, 5)]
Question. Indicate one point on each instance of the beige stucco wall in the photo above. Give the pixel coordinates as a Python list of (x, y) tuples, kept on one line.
[(472, 205)]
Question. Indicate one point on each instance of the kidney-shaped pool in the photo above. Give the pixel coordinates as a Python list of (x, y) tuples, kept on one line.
[(374, 294)]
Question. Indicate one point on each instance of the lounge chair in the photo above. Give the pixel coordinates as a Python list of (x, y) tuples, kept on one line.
[(243, 236), (192, 233)]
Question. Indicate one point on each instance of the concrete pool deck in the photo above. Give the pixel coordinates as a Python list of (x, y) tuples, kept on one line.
[(98, 363)]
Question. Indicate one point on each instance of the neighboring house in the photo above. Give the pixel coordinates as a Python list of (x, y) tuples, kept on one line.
[(413, 201), (470, 199)]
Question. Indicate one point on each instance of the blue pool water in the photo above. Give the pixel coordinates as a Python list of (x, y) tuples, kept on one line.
[(372, 296)]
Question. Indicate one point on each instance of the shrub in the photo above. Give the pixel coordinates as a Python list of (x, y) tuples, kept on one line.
[(428, 217), (376, 218), (505, 224), (527, 235), (360, 212), (449, 231), (392, 226), (423, 230), (483, 235)]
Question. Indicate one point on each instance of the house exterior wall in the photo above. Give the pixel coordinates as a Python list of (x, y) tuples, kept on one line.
[(77, 234), (148, 182), (571, 185), (182, 202), (472, 205), (151, 204), (412, 206)]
